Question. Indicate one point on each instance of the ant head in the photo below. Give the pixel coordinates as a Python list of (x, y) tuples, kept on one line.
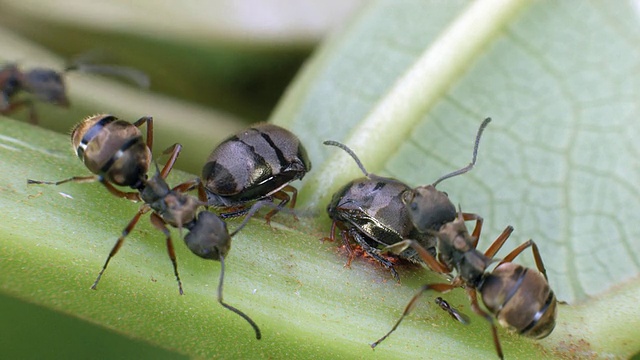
[(209, 237), (48, 85), (428, 208)]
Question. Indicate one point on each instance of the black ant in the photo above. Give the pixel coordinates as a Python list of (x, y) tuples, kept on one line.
[(520, 299), (48, 85), (114, 150)]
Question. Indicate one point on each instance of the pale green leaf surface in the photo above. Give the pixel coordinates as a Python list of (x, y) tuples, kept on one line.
[(559, 161)]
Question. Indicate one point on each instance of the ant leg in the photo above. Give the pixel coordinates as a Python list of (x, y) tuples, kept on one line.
[(133, 196), (498, 242), (373, 252), (235, 310), (187, 186), (433, 264), (471, 292), (477, 229), (16, 105), (202, 194), (159, 224), (174, 150), (77, 179), (132, 224), (441, 288), (536, 255), (149, 121)]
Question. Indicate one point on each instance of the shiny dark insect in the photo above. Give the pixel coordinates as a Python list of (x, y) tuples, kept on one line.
[(256, 164), (370, 211), (21, 88), (519, 298)]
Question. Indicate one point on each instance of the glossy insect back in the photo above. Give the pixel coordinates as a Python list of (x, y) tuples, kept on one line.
[(371, 212), (255, 164)]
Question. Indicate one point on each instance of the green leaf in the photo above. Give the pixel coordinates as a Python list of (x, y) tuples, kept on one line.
[(406, 86)]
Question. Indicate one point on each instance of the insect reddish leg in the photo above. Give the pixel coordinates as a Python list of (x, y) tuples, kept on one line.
[(120, 241), (471, 292), (433, 264), (441, 288), (536, 255), (159, 224), (16, 105), (498, 242), (477, 229), (149, 121), (133, 196), (174, 150), (187, 186)]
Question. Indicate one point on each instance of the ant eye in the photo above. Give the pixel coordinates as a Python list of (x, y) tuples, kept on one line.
[(445, 194)]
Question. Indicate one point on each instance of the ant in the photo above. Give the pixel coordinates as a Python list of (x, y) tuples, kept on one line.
[(47, 85), (520, 299), (113, 149), (115, 152)]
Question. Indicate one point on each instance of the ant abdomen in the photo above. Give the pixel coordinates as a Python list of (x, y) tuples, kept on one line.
[(521, 300), (112, 148)]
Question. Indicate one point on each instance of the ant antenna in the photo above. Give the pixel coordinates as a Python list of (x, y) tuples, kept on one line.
[(475, 155), (243, 315), (85, 62), (350, 152)]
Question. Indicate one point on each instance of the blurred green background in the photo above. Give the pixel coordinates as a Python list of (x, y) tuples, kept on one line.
[(224, 65)]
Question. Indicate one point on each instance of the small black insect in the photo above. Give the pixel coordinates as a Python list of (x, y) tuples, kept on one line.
[(256, 164), (370, 211), (21, 88), (518, 297)]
